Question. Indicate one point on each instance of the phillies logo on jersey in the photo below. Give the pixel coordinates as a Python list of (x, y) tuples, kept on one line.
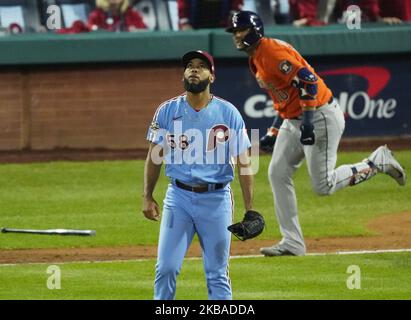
[(220, 133)]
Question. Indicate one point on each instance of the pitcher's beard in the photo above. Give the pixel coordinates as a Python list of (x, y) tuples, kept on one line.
[(196, 87)]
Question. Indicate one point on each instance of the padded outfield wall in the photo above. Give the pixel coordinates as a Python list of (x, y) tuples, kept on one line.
[(100, 90)]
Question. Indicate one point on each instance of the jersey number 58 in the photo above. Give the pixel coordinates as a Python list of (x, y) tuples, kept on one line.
[(182, 142)]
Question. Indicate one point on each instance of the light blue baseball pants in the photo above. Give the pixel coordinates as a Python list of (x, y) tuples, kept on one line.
[(185, 213)]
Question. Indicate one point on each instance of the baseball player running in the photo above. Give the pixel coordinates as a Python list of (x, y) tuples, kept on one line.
[(309, 125), (197, 134)]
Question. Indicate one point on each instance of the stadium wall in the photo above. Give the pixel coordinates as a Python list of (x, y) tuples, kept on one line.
[(101, 90), (82, 107)]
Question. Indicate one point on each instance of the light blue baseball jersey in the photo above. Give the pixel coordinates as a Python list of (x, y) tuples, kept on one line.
[(199, 145)]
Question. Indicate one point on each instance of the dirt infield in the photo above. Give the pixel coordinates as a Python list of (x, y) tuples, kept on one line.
[(393, 232)]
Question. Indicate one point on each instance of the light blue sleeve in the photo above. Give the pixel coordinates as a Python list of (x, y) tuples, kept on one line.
[(240, 141), (156, 132)]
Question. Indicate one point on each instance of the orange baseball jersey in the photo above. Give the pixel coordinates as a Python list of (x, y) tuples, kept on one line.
[(275, 65)]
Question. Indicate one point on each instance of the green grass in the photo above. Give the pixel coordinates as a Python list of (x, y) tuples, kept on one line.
[(106, 196), (383, 276)]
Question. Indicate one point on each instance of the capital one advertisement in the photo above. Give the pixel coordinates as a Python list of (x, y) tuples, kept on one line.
[(374, 93)]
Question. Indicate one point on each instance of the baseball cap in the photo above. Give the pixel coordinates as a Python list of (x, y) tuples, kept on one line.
[(199, 54)]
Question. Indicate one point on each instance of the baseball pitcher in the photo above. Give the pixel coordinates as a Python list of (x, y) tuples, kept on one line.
[(198, 135)]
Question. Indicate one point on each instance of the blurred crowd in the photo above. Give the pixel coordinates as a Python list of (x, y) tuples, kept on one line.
[(78, 16), (323, 12)]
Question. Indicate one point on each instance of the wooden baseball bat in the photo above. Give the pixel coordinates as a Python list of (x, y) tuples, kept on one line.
[(63, 232)]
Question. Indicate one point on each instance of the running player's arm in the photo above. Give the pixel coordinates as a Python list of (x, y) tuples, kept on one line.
[(246, 178), (307, 84), (293, 72), (275, 126)]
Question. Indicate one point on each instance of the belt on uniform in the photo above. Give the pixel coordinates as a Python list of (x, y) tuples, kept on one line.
[(199, 188)]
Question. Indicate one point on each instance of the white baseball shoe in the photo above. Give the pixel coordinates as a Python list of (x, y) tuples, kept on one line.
[(384, 161), (275, 251)]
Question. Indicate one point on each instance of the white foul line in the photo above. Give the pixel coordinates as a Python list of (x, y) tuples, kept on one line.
[(362, 252), (336, 253), (231, 257)]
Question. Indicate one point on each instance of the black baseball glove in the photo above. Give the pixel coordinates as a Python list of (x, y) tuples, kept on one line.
[(250, 227)]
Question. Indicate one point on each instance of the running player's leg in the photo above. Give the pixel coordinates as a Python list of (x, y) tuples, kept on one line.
[(287, 157), (176, 235), (322, 156), (213, 214)]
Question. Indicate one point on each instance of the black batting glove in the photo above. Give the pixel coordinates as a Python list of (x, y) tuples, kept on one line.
[(267, 142), (307, 134)]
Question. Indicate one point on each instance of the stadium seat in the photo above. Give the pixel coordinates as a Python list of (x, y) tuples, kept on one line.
[(158, 14), (171, 12), (265, 11), (147, 10), (167, 12), (24, 13), (72, 10)]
